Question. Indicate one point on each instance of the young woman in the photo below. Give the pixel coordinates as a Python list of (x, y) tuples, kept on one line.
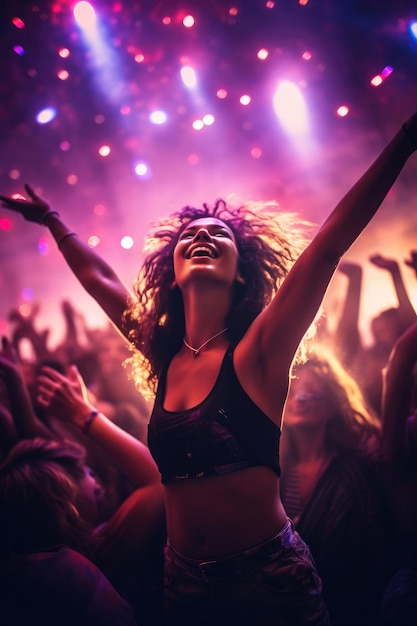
[(331, 489), (218, 339)]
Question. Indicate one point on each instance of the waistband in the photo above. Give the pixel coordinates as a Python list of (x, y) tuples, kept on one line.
[(232, 564)]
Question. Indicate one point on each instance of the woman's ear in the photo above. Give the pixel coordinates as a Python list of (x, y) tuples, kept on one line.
[(240, 279)]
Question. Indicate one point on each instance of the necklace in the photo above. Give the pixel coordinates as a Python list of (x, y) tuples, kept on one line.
[(197, 350)]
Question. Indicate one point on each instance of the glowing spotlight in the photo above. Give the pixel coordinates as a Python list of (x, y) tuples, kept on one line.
[(245, 100), (142, 170), (188, 77), (126, 242), (208, 119), (198, 124), (342, 111), (413, 29), (188, 21), (262, 54), (377, 80), (46, 115), (104, 151), (158, 117), (19, 50), (221, 93), (85, 16), (290, 108)]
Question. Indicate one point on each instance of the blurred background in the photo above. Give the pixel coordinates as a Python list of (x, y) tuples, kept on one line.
[(121, 112)]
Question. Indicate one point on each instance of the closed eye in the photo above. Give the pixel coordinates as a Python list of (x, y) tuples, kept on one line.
[(186, 235), (223, 233)]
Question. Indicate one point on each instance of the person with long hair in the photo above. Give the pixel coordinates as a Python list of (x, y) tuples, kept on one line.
[(331, 486), (219, 312)]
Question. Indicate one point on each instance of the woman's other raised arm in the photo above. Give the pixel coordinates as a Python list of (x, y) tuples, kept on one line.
[(294, 307)]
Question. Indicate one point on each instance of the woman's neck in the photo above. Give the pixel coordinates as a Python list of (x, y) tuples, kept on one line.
[(205, 315)]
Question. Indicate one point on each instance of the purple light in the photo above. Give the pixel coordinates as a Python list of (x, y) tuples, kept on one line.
[(46, 115)]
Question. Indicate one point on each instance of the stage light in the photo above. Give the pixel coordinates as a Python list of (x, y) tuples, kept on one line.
[(85, 16), (158, 117), (290, 108), (46, 115), (188, 77)]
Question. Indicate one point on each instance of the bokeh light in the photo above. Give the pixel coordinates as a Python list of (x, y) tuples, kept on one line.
[(46, 115)]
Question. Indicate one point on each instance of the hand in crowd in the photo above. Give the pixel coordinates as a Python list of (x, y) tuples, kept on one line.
[(24, 328), (33, 210), (384, 263), (66, 396)]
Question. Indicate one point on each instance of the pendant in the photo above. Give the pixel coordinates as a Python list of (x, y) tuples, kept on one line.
[(196, 353)]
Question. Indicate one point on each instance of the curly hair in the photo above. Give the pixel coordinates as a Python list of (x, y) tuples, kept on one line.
[(155, 321)]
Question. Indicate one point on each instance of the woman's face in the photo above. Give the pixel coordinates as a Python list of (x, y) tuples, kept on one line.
[(206, 248), (307, 404)]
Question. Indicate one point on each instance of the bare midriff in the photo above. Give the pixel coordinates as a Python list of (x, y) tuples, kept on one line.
[(219, 515)]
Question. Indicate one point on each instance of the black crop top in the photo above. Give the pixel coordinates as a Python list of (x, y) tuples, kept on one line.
[(225, 433)]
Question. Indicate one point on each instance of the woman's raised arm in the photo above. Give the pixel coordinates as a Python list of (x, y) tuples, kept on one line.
[(95, 275)]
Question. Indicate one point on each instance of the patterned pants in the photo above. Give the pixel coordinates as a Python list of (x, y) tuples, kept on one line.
[(274, 583)]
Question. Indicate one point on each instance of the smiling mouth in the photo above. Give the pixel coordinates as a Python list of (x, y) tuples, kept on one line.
[(201, 251)]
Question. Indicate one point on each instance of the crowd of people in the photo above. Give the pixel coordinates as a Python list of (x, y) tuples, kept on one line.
[(266, 484)]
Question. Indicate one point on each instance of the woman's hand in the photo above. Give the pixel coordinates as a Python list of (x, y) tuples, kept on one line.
[(65, 396), (384, 263), (33, 210)]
